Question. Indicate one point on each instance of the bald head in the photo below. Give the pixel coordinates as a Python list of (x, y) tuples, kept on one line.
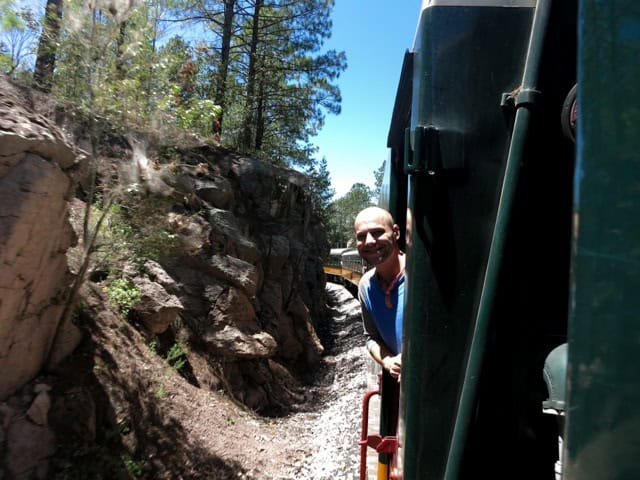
[(377, 239), (371, 214)]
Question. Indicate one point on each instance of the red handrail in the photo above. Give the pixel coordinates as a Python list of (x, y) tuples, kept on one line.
[(365, 440)]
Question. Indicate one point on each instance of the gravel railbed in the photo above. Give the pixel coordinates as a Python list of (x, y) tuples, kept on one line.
[(332, 430)]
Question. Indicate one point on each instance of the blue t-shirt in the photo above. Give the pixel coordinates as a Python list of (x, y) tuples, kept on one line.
[(382, 324)]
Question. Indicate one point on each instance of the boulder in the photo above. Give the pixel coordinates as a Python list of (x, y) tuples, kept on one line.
[(157, 308)]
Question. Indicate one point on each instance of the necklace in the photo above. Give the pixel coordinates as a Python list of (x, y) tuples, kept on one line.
[(389, 288)]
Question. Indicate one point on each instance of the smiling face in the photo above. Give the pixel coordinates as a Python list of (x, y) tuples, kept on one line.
[(376, 235)]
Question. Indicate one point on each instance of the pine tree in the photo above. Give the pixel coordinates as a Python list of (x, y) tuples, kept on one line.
[(320, 189), (288, 85), (47, 48), (378, 175), (343, 214)]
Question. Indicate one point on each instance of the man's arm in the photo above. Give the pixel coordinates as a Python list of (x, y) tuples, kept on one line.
[(374, 342), (389, 362)]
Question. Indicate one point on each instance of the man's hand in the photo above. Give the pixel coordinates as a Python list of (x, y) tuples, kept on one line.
[(393, 365)]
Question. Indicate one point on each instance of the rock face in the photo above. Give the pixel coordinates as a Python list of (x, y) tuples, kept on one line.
[(250, 277), (34, 236), (245, 286)]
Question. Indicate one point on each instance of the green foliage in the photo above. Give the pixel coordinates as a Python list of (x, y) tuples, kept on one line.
[(320, 189), (343, 214), (78, 312), (136, 468), (286, 86), (118, 230), (378, 175), (176, 356), (109, 65), (182, 73), (5, 60), (274, 87), (84, 462), (123, 294), (161, 392), (194, 114), (156, 245), (8, 17), (105, 459), (198, 115), (136, 230)]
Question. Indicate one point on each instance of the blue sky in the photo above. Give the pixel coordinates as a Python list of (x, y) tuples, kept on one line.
[(374, 34)]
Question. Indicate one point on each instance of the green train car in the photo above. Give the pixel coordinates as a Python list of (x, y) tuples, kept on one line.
[(514, 162)]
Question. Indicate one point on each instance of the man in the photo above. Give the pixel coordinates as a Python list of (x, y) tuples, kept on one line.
[(381, 289)]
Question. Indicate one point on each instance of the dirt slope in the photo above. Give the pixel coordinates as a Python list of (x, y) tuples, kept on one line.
[(152, 423)]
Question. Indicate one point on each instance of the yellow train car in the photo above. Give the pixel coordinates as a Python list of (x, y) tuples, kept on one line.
[(333, 267), (345, 267)]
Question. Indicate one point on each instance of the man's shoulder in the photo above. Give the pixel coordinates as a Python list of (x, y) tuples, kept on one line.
[(365, 280)]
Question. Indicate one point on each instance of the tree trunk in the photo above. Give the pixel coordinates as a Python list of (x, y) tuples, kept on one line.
[(122, 36), (260, 117), (225, 53), (46, 58), (245, 142)]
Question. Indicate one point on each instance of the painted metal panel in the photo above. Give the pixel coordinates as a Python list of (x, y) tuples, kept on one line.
[(465, 58), (603, 420)]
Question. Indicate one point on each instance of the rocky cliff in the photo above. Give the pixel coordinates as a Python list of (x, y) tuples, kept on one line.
[(35, 186), (239, 289)]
